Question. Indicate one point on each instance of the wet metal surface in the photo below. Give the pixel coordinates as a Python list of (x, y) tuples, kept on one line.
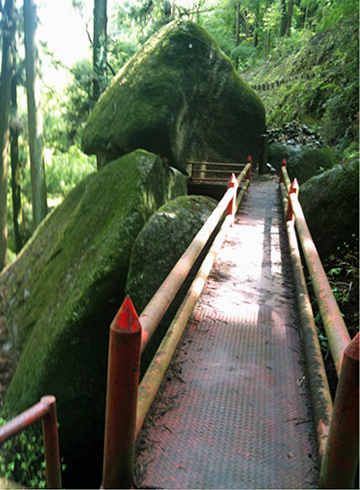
[(239, 416)]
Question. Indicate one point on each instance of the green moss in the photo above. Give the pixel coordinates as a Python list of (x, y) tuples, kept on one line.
[(331, 207), (163, 240), (180, 97), (302, 162), (64, 289)]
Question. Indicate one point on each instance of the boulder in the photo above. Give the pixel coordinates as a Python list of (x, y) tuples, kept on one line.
[(62, 292), (330, 202), (303, 162), (180, 97), (158, 247)]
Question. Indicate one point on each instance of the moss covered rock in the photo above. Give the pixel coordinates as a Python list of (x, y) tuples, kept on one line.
[(180, 97), (159, 246), (62, 292), (303, 162), (331, 207)]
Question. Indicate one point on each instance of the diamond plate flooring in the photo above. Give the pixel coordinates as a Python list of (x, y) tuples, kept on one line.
[(239, 416)]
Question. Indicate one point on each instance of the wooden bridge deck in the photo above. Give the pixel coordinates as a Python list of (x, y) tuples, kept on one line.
[(233, 411)]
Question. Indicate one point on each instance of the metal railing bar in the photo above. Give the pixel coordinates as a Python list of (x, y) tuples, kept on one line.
[(154, 375), (341, 459), (45, 410), (216, 171), (322, 405), (237, 165), (244, 175), (209, 179), (158, 305), (335, 328), (22, 421)]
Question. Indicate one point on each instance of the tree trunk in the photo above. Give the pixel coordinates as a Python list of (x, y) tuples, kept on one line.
[(284, 19), (5, 92), (38, 185), (289, 17), (14, 154), (100, 47), (267, 45), (257, 23), (237, 32)]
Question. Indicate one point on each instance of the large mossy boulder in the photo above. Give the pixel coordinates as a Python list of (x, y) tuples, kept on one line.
[(180, 97), (303, 162), (330, 202), (159, 246), (62, 292)]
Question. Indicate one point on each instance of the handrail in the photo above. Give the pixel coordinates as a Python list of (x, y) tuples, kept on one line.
[(317, 379), (158, 305), (337, 426), (45, 410), (336, 331), (121, 431), (233, 168)]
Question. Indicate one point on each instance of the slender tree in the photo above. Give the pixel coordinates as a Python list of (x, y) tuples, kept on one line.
[(38, 184), (257, 22), (289, 17), (237, 31), (100, 55), (100, 47), (284, 19), (14, 154), (5, 92)]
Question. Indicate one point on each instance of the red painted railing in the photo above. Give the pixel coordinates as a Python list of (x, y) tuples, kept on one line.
[(209, 169), (338, 426), (45, 410), (128, 403)]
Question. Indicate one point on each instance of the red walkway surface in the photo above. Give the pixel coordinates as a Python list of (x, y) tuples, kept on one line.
[(236, 414)]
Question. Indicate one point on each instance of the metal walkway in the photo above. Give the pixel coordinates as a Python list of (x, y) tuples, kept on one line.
[(235, 415)]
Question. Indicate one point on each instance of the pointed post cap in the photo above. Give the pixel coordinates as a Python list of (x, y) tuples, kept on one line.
[(283, 163), (294, 188), (232, 181), (249, 159), (126, 320)]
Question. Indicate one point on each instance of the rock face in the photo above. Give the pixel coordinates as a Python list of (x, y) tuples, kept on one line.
[(61, 294), (295, 133), (330, 203), (303, 162), (180, 97), (158, 247)]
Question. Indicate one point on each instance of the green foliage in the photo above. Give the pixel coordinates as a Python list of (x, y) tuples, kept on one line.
[(66, 170), (78, 102), (63, 171), (22, 458)]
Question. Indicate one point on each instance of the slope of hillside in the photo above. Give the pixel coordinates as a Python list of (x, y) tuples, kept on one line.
[(319, 82)]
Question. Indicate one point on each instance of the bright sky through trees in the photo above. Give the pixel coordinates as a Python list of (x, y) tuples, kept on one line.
[(65, 31)]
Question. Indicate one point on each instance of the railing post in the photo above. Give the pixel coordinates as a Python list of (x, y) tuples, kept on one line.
[(339, 465), (51, 444), (248, 173), (122, 391), (283, 164), (294, 189), (231, 209), (264, 153)]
